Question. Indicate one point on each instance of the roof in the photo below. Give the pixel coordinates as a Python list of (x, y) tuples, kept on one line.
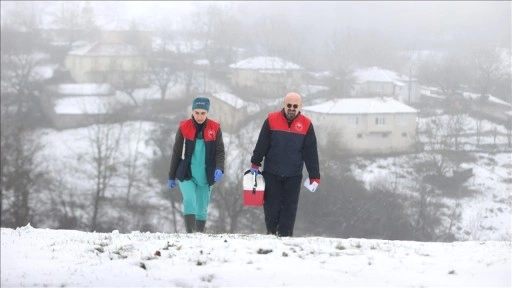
[(476, 96), (230, 99), (106, 49), (92, 89), (236, 102), (81, 105), (265, 63), (378, 105), (375, 74)]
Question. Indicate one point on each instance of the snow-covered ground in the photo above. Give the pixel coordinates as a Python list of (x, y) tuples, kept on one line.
[(65, 258), (486, 215)]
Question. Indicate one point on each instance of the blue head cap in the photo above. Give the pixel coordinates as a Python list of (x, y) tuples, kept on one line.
[(201, 103)]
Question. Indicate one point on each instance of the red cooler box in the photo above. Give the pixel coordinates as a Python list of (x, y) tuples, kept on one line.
[(254, 189)]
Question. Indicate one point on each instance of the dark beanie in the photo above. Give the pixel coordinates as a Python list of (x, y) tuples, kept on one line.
[(201, 103)]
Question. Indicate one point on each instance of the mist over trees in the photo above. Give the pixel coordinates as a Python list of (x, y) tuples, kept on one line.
[(453, 46)]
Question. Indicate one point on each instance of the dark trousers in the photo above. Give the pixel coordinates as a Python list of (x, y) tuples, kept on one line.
[(280, 203)]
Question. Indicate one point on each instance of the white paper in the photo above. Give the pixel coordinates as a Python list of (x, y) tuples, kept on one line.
[(310, 187)]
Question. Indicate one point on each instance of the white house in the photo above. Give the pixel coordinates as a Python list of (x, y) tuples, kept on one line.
[(364, 125), (266, 74), (377, 82), (115, 63)]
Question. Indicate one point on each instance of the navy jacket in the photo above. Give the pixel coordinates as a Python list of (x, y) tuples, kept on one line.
[(287, 146)]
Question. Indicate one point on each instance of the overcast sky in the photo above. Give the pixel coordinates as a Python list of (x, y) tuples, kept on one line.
[(487, 21), (462, 22)]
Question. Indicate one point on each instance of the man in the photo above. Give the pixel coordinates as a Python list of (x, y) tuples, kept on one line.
[(197, 162), (287, 140)]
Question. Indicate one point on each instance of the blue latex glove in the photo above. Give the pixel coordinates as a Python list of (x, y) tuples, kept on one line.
[(255, 169), (171, 183), (217, 175)]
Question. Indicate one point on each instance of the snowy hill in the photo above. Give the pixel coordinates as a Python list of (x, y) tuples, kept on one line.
[(64, 258)]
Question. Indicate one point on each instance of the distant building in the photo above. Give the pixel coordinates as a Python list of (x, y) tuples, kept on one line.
[(271, 75), (377, 82), (231, 111), (114, 63), (364, 125)]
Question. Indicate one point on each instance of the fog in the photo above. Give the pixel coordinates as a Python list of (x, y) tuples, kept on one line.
[(425, 173), (415, 24)]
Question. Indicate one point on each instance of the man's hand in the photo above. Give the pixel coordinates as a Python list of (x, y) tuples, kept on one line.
[(255, 169), (311, 181)]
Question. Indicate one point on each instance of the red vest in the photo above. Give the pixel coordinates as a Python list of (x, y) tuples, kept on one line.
[(189, 130)]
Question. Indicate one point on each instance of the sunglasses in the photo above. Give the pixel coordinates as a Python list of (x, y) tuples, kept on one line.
[(295, 106)]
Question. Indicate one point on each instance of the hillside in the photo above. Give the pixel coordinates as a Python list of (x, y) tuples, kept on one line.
[(66, 258)]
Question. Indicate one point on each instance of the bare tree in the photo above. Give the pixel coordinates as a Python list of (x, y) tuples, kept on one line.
[(455, 127), (76, 19), (19, 174), (132, 162), (486, 70), (103, 140), (273, 35), (127, 83), (20, 112), (340, 56), (478, 126), (220, 32), (163, 141), (437, 147), (163, 75), (449, 73), (227, 195)]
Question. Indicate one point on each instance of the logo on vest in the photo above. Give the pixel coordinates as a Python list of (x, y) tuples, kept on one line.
[(299, 126), (211, 133)]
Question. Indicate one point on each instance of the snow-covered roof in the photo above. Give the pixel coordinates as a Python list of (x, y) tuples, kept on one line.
[(375, 74), (105, 49), (475, 96), (44, 71), (265, 63), (120, 24), (81, 105), (361, 106), (97, 89), (236, 102), (176, 46), (202, 62), (230, 99)]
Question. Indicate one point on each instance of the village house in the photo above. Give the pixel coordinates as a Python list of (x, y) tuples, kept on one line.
[(231, 111), (271, 75), (377, 82), (114, 63), (377, 125)]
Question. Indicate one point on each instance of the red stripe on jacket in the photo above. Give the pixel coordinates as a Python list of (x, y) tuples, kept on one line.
[(277, 121)]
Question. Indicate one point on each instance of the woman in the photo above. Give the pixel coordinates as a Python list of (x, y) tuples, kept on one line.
[(197, 163)]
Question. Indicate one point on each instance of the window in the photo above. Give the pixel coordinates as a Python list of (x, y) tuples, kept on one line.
[(404, 134), (353, 120), (402, 120), (360, 136), (380, 121), (385, 135)]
